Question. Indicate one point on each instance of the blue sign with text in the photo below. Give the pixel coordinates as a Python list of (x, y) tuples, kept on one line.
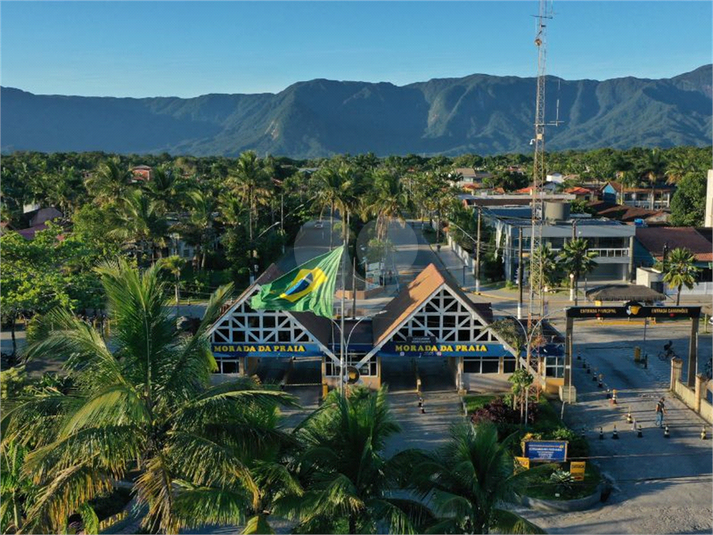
[(554, 451)]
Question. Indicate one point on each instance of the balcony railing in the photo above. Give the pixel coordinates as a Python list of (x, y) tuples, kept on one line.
[(611, 252)]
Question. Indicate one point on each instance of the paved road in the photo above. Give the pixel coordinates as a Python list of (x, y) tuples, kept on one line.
[(660, 485)]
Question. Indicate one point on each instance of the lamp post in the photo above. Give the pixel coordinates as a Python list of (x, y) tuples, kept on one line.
[(476, 264), (344, 350), (568, 357)]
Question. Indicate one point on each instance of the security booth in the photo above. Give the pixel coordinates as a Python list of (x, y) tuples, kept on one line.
[(431, 328), (433, 320)]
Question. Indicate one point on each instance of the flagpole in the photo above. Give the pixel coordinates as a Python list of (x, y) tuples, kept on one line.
[(342, 349)]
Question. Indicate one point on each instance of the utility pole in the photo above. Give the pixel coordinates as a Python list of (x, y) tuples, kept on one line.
[(520, 269), (477, 255), (354, 287)]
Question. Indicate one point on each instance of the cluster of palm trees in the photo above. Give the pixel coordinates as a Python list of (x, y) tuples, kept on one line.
[(573, 262), (142, 411)]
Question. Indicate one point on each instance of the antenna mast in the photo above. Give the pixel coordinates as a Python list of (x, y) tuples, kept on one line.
[(538, 178)]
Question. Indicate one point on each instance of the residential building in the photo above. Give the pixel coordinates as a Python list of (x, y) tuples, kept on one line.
[(628, 214), (611, 240), (142, 173), (657, 197)]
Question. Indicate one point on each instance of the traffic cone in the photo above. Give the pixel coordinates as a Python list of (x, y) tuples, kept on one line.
[(639, 434), (628, 416), (608, 394), (666, 434), (420, 401), (600, 383), (615, 435), (594, 375), (613, 397), (703, 433), (601, 434), (588, 370), (584, 364), (579, 356)]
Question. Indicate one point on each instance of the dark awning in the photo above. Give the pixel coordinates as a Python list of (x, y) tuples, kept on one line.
[(624, 292)]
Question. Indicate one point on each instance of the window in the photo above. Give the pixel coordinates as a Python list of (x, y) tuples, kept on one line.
[(471, 365), (368, 369), (227, 366), (481, 365), (491, 365), (508, 364), (284, 336), (554, 366)]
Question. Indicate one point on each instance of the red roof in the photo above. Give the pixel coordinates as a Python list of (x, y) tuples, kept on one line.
[(654, 239), (578, 191)]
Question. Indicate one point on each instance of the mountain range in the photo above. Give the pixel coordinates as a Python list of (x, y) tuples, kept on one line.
[(479, 113)]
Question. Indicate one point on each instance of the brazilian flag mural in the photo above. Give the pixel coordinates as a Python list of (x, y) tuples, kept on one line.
[(307, 288)]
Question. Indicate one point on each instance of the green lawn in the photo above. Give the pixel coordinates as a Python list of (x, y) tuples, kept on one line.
[(475, 402)]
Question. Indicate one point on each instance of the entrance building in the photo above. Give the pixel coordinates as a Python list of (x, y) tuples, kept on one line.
[(431, 319)]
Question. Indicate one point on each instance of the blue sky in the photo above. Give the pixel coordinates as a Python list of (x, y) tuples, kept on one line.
[(189, 48)]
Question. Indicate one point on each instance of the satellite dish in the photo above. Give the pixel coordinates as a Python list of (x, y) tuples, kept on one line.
[(352, 375)]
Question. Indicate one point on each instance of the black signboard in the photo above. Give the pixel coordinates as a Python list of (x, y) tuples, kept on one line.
[(634, 310)]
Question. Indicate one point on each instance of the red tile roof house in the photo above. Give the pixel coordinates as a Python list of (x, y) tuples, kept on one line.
[(142, 172)]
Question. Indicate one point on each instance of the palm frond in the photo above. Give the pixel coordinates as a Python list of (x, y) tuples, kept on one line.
[(258, 524), (509, 522)]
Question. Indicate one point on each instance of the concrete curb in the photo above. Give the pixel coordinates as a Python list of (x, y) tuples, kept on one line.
[(563, 506)]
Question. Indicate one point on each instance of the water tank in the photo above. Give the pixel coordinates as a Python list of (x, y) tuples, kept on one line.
[(556, 211)]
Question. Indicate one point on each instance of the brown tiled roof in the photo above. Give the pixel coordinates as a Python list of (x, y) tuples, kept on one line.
[(578, 190), (654, 239), (622, 212), (413, 295)]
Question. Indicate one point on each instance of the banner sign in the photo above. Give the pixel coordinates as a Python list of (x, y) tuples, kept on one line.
[(577, 469), (546, 450), (523, 462), (633, 310), (266, 350), (413, 349)]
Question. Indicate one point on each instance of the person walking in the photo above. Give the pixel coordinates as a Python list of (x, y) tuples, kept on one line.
[(660, 412)]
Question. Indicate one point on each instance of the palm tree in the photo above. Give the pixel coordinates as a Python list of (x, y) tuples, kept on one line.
[(143, 404), (547, 258), (141, 224), (468, 479), (679, 270), (174, 264), (166, 189), (347, 479), (251, 182), (334, 187), (110, 181), (653, 168), (577, 260), (201, 223), (16, 487), (387, 202)]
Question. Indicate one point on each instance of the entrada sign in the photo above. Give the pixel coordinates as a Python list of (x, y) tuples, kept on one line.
[(634, 310)]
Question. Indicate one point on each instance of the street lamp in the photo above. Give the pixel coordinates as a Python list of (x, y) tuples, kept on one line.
[(528, 346), (571, 286), (343, 347)]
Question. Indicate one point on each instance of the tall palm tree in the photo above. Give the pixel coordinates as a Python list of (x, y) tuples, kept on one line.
[(201, 223), (468, 479), (166, 189), (143, 404), (346, 477), (577, 261), (388, 201), (653, 167), (334, 187), (545, 256), (679, 270), (110, 181), (251, 182), (174, 264), (140, 224)]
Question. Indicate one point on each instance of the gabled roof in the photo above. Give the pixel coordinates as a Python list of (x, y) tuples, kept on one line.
[(317, 326), (620, 188), (417, 292), (654, 239), (578, 190)]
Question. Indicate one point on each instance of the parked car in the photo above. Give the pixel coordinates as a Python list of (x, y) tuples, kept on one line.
[(319, 224)]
